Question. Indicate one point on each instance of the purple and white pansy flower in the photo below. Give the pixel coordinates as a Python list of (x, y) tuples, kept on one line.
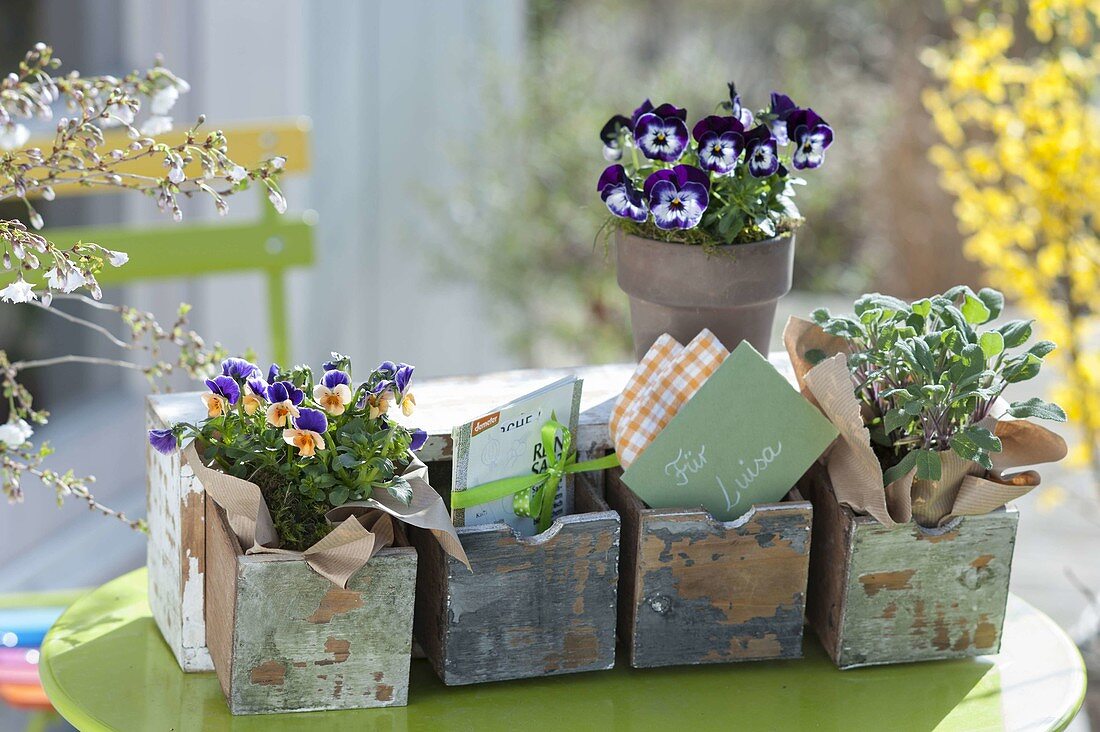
[(419, 437), (622, 198), (678, 197), (761, 152), (811, 136), (239, 369), (741, 113), (662, 134), (782, 107), (164, 441), (610, 135), (720, 140)]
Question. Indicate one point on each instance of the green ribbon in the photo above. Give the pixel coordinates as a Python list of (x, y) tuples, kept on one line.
[(533, 495)]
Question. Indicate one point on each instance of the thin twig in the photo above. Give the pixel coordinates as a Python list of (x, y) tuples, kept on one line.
[(23, 365), (85, 323)]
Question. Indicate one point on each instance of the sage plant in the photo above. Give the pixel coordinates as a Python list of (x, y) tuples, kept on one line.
[(928, 376)]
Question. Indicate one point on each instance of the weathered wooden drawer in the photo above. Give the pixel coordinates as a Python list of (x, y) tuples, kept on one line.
[(285, 639), (696, 590), (892, 595), (533, 606)]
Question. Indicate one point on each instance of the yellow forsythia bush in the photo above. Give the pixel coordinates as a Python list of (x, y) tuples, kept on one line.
[(1020, 151)]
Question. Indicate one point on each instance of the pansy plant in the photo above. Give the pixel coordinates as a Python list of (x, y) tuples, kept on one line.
[(309, 446), (726, 182), (928, 375)]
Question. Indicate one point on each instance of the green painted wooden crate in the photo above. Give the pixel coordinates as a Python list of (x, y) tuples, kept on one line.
[(285, 639), (880, 595)]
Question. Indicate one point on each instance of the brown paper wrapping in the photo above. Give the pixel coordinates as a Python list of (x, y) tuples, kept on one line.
[(964, 488), (362, 528)]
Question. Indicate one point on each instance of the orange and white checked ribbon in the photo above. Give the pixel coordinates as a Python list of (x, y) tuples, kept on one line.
[(670, 381)]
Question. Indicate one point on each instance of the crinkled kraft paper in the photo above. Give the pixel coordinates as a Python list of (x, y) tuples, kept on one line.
[(362, 528)]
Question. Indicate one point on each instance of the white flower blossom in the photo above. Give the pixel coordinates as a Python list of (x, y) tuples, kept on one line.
[(120, 114), (163, 100), (18, 291), (277, 200), (117, 259), (237, 173), (13, 136), (15, 433), (156, 125), (176, 175), (278, 162), (66, 281)]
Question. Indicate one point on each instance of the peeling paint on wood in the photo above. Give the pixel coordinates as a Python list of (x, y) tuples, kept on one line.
[(882, 595), (284, 639), (177, 547), (533, 606), (696, 590)]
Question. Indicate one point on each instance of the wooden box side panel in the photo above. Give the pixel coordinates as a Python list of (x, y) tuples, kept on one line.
[(430, 615), (176, 553), (220, 597), (532, 607), (302, 643), (630, 508), (829, 560), (711, 592), (916, 595)]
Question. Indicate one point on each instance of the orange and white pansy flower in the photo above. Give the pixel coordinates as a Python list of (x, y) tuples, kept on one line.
[(334, 392), (379, 403), (255, 391), (307, 434), (224, 393), (283, 398), (408, 403)]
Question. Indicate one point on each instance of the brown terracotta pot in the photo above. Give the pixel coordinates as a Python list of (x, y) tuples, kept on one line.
[(679, 289)]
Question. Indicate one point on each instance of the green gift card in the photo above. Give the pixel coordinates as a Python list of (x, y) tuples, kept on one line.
[(746, 437)]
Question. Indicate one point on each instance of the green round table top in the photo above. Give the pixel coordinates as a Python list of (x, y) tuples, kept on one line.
[(105, 666)]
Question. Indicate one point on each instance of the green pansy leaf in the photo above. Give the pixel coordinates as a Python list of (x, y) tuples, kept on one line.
[(401, 490), (1036, 407), (922, 307), (992, 344), (338, 496)]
